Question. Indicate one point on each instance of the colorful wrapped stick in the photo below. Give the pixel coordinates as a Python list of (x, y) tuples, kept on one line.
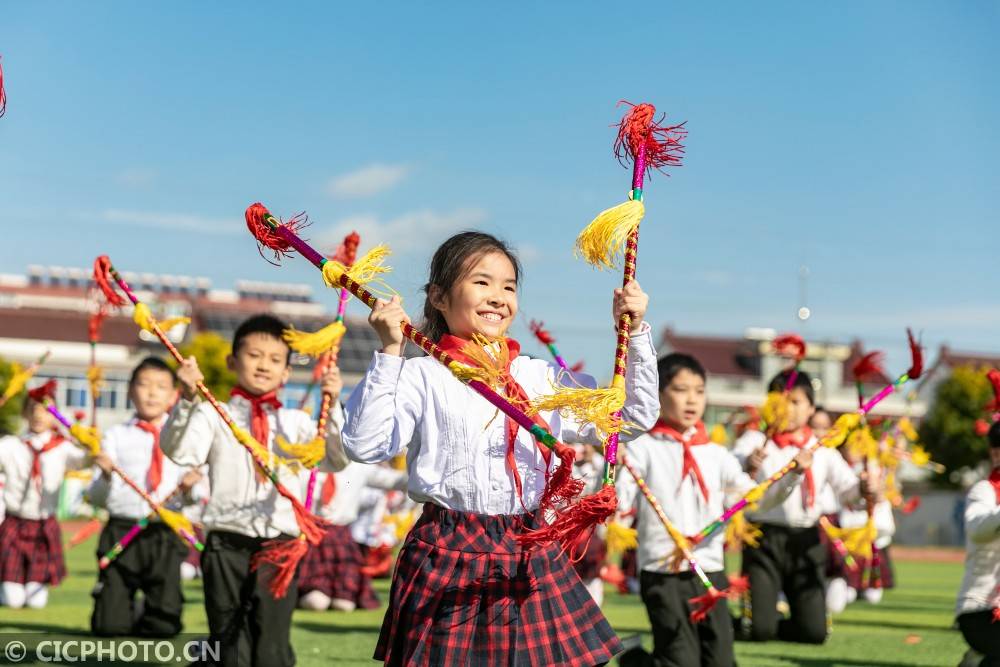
[(133, 532), (833, 438), (703, 604), (647, 145), (282, 555), (546, 339), (3, 94), (20, 379), (95, 375), (90, 439), (282, 240), (836, 539)]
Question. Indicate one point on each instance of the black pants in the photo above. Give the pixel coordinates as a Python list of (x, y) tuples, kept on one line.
[(151, 564), (677, 642), (252, 627), (983, 635), (792, 560)]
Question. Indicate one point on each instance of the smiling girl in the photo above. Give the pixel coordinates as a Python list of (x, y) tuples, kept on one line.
[(464, 592)]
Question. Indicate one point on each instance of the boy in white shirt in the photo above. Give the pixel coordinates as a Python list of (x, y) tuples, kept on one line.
[(151, 562)]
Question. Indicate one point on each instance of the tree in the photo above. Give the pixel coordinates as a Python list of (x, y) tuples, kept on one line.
[(10, 413), (211, 350), (949, 429)]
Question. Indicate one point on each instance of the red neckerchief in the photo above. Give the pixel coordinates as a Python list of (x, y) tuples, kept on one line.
[(995, 481), (799, 439), (328, 491), (514, 393), (260, 428), (699, 437), (155, 472), (36, 457)]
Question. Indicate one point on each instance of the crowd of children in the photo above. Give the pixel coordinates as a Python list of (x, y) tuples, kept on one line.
[(465, 588)]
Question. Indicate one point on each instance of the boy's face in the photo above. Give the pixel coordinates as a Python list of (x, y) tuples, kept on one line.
[(39, 418), (820, 424), (799, 409), (260, 364), (152, 393), (682, 401)]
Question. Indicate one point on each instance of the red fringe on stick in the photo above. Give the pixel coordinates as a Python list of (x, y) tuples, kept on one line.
[(790, 345), (347, 253), (562, 487), (868, 366), (47, 390), (917, 355), (86, 530), (265, 235), (573, 523), (102, 276), (703, 604), (910, 505), (541, 334), (283, 556), (95, 322), (639, 127)]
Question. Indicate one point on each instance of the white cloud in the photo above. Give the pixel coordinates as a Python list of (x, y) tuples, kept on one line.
[(416, 230), (367, 181), (136, 177), (174, 221)]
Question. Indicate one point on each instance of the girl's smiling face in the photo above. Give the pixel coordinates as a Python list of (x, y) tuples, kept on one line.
[(483, 301)]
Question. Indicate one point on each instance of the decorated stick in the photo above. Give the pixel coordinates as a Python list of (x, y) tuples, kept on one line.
[(19, 379), (702, 604), (89, 440), (282, 239), (838, 544), (95, 377), (833, 438), (134, 531), (546, 339), (3, 94), (283, 555)]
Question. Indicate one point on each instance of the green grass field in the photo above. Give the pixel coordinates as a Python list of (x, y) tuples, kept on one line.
[(912, 626)]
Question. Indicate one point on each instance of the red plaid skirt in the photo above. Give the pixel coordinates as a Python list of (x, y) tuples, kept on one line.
[(333, 567), (589, 566), (863, 577), (31, 550), (464, 593)]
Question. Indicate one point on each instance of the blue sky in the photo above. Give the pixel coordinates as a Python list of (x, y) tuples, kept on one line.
[(858, 138)]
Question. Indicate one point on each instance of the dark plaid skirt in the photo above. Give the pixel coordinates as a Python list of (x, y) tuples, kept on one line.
[(334, 568), (864, 576), (31, 550), (464, 593), (590, 564)]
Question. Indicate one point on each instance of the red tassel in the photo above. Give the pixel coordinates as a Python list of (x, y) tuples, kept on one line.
[(47, 390), (283, 557), (102, 276), (790, 345), (3, 95), (575, 521), (917, 355), (982, 427), (639, 127), (348, 250), (265, 234), (95, 322), (561, 488), (869, 366), (910, 505), (541, 334), (86, 531), (994, 377), (996, 615), (612, 574), (577, 367), (378, 562), (702, 605)]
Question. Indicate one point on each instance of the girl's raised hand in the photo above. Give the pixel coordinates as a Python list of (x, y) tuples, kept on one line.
[(386, 319), (632, 300)]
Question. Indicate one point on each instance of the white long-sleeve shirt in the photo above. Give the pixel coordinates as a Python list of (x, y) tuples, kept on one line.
[(239, 503), (659, 460), (20, 493), (982, 550), (828, 470), (856, 515), (131, 448), (351, 482), (456, 440)]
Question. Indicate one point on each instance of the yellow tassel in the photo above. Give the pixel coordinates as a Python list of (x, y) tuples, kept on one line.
[(596, 406), (467, 373), (401, 522), (920, 456), (17, 382), (260, 451), (490, 357), (756, 493), (862, 443), (681, 544), (143, 316), (88, 436), (859, 541), (176, 521), (95, 376), (718, 435), (740, 532), (316, 343), (398, 462), (602, 242), (308, 454), (906, 428), (774, 412), (841, 428), (365, 271), (621, 538)]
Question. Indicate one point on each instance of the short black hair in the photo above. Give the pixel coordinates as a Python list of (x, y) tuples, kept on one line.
[(151, 363), (669, 366), (802, 381), (993, 435), (269, 325)]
